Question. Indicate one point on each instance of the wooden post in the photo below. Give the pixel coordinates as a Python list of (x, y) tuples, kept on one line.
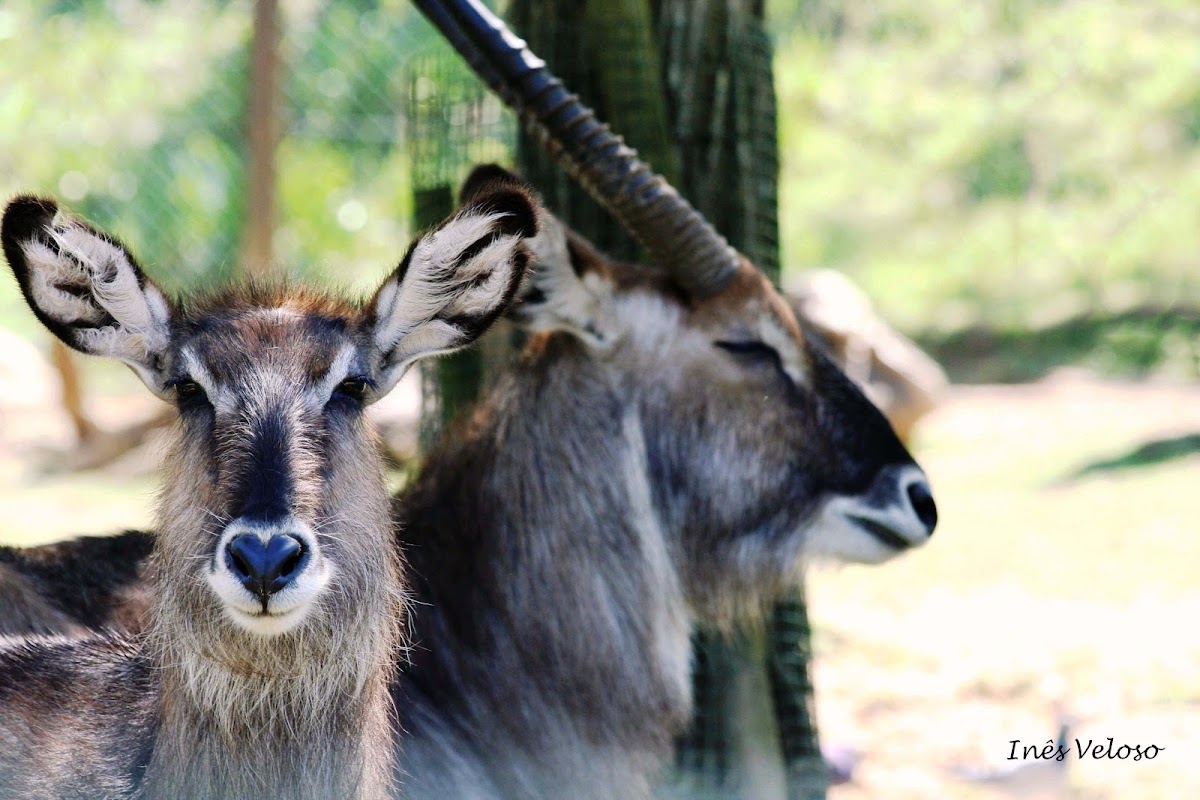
[(72, 391), (262, 138)]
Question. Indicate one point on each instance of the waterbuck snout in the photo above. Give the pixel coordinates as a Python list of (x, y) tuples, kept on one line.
[(878, 500), (266, 565), (266, 575)]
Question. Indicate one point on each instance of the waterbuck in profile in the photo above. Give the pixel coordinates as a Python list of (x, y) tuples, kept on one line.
[(277, 599), (670, 448), (654, 459)]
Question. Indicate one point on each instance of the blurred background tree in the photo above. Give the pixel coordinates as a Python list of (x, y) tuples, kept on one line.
[(1012, 180)]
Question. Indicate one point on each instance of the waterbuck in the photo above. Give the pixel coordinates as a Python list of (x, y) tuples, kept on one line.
[(670, 448), (277, 599), (654, 459)]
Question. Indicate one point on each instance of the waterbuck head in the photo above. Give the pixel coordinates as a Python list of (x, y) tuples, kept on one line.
[(760, 453), (273, 520)]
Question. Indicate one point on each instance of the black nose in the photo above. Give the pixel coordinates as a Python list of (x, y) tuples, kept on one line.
[(922, 502), (265, 567)]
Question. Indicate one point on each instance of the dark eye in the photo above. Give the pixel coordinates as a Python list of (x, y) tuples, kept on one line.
[(751, 350), (189, 394), (185, 388), (352, 388)]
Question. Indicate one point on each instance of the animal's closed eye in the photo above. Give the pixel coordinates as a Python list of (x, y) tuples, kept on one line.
[(750, 350)]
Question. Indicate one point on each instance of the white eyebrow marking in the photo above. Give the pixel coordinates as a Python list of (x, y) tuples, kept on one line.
[(791, 355), (196, 370), (221, 397), (336, 374)]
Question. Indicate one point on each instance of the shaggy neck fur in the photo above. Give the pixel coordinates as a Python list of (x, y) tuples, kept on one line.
[(305, 714), (509, 695)]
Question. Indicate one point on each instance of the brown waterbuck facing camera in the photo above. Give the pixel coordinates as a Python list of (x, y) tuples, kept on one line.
[(277, 599)]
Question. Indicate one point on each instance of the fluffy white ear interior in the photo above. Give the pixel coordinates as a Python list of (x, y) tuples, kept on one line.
[(97, 297), (454, 283), (428, 285)]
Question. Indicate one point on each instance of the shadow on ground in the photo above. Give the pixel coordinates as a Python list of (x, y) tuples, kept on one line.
[(1157, 451), (1131, 344)]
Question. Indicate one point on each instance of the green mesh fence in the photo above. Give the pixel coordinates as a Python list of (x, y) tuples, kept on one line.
[(134, 114), (453, 123), (132, 119)]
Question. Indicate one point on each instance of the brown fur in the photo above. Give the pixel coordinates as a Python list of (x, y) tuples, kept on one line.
[(89, 583), (27, 611)]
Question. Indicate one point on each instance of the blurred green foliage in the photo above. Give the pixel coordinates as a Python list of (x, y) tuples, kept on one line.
[(133, 114), (1025, 168)]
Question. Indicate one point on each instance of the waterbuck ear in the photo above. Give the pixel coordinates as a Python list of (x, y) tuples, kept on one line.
[(454, 282), (86, 287), (488, 178), (568, 289)]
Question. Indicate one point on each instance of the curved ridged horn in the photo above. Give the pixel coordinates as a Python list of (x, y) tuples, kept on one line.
[(676, 235)]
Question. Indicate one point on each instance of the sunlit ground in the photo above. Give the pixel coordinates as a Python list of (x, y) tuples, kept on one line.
[(1062, 575)]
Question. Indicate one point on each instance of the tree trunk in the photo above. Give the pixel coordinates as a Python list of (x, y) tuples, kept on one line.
[(262, 138)]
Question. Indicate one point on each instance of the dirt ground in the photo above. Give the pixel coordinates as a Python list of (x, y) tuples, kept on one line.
[(1061, 582)]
